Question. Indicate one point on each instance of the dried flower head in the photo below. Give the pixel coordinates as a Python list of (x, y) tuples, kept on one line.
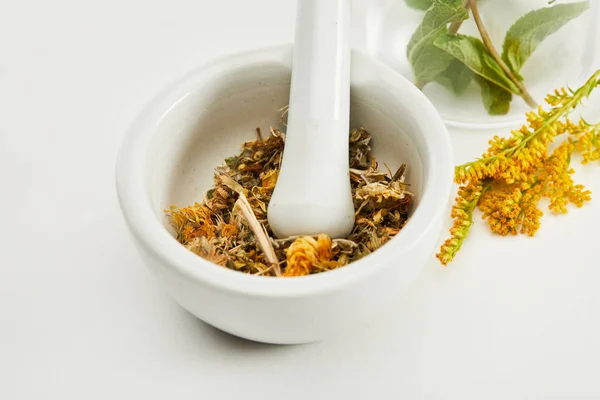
[(307, 255), (192, 222)]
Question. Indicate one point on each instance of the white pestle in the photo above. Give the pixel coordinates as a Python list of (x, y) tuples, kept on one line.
[(313, 193)]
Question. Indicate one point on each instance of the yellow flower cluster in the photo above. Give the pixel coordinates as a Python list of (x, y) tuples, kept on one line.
[(462, 214), (512, 209), (509, 180)]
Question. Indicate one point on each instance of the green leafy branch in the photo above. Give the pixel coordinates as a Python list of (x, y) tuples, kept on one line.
[(438, 53)]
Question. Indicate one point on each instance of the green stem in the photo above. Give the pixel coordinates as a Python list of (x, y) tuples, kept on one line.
[(455, 26), (554, 116), (487, 185), (487, 41)]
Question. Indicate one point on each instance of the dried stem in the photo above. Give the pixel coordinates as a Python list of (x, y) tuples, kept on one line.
[(398, 174), (283, 111), (487, 41), (259, 230)]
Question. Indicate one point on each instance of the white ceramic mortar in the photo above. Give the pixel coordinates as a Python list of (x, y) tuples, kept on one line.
[(168, 157)]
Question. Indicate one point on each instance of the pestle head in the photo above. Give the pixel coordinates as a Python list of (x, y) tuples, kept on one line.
[(313, 193)]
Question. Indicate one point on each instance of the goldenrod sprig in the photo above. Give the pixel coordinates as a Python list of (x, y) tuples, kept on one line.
[(462, 213), (509, 180)]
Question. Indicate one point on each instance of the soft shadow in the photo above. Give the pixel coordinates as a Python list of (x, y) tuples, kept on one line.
[(241, 344), (204, 332)]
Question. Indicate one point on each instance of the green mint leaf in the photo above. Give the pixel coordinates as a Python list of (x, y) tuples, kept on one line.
[(456, 78), (472, 52), (531, 29), (496, 99), (426, 59), (419, 4)]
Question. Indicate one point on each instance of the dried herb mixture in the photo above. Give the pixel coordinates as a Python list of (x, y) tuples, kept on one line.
[(229, 226)]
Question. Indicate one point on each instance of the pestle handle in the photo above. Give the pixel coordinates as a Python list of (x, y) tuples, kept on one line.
[(313, 193)]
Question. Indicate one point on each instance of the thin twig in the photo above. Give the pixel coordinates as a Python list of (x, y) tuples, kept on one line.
[(284, 111), (388, 168), (487, 41), (259, 134), (259, 230), (398, 174)]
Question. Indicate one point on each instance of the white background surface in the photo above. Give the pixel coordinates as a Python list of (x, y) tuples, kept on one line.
[(81, 317)]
